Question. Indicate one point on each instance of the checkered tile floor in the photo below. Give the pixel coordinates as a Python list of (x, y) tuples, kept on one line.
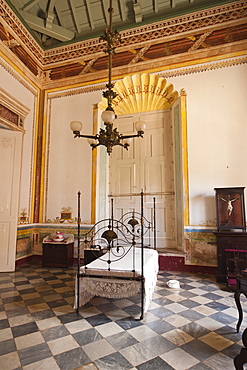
[(190, 328)]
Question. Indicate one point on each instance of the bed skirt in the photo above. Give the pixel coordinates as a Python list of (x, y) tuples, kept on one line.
[(113, 288)]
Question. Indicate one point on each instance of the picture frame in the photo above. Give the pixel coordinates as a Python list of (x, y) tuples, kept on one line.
[(230, 209), (66, 215)]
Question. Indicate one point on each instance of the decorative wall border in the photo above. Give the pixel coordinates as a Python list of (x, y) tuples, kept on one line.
[(34, 233), (200, 246)]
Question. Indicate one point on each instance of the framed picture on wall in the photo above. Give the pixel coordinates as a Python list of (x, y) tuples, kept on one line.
[(66, 215), (230, 209)]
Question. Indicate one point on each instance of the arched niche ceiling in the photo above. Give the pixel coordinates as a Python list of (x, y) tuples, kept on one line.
[(141, 93)]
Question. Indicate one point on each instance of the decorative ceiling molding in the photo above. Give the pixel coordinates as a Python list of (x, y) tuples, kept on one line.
[(66, 76), (169, 74), (139, 55), (194, 23), (216, 33), (18, 31), (205, 67), (53, 21), (200, 41)]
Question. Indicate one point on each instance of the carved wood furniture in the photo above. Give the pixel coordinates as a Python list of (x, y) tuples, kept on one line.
[(58, 254), (241, 288), (230, 209), (226, 242), (241, 359)]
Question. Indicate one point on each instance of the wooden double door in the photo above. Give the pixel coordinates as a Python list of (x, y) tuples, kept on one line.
[(147, 166)]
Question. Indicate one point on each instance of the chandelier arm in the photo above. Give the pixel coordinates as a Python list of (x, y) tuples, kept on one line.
[(95, 145), (139, 134), (86, 136)]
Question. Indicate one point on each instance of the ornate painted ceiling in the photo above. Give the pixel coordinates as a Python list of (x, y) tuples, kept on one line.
[(57, 41), (54, 22)]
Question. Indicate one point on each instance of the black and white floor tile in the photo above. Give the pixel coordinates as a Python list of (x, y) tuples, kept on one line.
[(193, 327)]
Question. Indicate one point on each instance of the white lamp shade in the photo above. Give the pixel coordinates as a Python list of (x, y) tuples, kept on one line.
[(108, 116), (76, 126), (140, 125), (127, 141), (92, 141)]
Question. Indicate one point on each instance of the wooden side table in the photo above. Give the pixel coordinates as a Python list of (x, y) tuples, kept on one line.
[(241, 288), (58, 254)]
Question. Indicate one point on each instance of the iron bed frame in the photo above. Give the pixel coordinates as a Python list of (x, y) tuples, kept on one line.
[(131, 231)]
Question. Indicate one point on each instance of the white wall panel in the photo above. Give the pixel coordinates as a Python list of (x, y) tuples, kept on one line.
[(217, 132), (25, 95), (69, 161)]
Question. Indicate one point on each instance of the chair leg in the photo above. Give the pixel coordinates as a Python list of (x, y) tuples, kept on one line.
[(241, 359)]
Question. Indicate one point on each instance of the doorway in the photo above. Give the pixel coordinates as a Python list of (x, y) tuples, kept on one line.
[(147, 166), (10, 164)]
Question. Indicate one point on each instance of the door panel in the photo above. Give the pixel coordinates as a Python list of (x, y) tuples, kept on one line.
[(10, 154), (124, 174)]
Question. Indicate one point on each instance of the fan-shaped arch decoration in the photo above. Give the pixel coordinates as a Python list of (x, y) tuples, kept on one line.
[(141, 93)]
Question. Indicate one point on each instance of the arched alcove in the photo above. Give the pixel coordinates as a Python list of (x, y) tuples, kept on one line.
[(151, 98)]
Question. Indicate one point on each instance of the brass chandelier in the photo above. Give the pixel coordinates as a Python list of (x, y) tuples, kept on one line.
[(109, 137)]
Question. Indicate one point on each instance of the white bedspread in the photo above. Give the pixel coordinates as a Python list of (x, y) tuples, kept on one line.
[(113, 287)]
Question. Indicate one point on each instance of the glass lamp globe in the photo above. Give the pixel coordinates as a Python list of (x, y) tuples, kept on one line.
[(127, 141), (140, 126), (92, 141), (108, 116), (75, 126)]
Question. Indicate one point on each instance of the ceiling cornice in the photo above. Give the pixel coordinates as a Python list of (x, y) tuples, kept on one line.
[(185, 38)]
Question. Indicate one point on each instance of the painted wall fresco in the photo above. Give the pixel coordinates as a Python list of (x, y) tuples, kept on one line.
[(200, 245), (24, 247), (30, 237), (200, 248)]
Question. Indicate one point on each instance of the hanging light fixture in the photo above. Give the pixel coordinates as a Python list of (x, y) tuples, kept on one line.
[(109, 136)]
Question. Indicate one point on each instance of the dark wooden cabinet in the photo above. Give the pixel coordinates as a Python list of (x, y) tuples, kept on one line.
[(229, 242), (58, 254)]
